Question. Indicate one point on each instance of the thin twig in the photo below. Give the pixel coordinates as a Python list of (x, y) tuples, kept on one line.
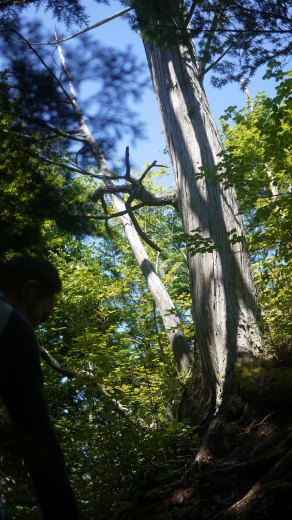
[(146, 171), (214, 63), (111, 215), (267, 417), (140, 231), (57, 131), (83, 374)]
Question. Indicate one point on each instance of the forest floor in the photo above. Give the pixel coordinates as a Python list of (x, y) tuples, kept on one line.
[(245, 471), (247, 476)]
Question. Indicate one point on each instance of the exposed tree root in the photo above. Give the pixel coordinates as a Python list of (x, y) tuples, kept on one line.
[(242, 471), (204, 453), (245, 507)]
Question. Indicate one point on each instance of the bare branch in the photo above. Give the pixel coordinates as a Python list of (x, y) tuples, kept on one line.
[(210, 38), (64, 165), (147, 171), (83, 374), (139, 192), (140, 231), (94, 26), (110, 215), (107, 190), (57, 131), (128, 166), (190, 13), (96, 176)]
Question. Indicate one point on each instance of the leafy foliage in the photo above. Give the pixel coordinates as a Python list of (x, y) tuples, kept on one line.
[(69, 11), (235, 38), (36, 193), (257, 161), (116, 417), (103, 329), (158, 21), (103, 326)]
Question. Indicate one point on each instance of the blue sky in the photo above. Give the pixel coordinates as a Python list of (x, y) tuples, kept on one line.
[(117, 33)]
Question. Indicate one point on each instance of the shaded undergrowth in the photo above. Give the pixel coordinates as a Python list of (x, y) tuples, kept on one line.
[(248, 474)]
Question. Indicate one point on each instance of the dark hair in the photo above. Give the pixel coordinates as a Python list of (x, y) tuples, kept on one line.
[(15, 272)]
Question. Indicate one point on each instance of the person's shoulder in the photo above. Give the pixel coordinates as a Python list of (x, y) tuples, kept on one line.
[(19, 351), (19, 325)]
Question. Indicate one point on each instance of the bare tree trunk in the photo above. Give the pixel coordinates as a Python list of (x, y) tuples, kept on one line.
[(161, 297), (181, 350), (223, 293)]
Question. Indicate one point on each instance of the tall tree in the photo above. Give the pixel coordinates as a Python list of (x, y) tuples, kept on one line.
[(224, 296), (163, 301)]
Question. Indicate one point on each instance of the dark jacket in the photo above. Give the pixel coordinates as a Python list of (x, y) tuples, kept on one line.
[(21, 390)]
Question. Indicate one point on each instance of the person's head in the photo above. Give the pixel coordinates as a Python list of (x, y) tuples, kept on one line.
[(30, 285)]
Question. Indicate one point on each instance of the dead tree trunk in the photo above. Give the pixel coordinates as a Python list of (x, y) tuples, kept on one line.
[(223, 293), (161, 297), (181, 350)]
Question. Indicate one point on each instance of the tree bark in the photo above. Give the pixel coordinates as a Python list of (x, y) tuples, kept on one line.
[(224, 300)]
